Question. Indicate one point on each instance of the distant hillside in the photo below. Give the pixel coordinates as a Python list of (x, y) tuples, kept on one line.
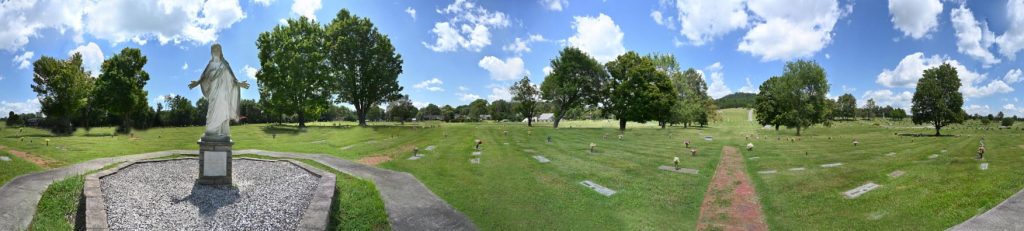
[(735, 100)]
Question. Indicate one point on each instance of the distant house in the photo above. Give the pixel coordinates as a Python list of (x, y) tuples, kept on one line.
[(546, 117), (485, 117), (432, 117)]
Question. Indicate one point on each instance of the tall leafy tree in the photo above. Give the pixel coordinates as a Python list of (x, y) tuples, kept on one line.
[(500, 110), (846, 106), (768, 104), (63, 88), (119, 87), (576, 80), (476, 108), (180, 111), (447, 113), (293, 77), (401, 109), (525, 97), (666, 63), (431, 111), (870, 108), (637, 91), (695, 105), (364, 64), (805, 95), (938, 100)]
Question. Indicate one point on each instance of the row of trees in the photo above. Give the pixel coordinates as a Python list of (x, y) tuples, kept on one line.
[(797, 99), (630, 88), (67, 94), (305, 67), (846, 108)]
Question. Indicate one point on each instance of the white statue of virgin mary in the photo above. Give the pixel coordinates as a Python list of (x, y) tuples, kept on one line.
[(222, 91)]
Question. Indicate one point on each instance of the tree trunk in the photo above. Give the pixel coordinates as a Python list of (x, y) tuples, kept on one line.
[(662, 124), (302, 119), (529, 121), (776, 127), (558, 118), (622, 124), (362, 117), (937, 131), (797, 130)]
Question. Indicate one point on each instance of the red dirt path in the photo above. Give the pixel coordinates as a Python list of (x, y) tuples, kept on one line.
[(731, 202), (38, 160)]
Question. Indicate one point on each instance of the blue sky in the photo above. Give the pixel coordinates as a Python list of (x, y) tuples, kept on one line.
[(457, 51)]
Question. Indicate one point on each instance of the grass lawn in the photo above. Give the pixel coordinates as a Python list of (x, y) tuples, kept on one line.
[(15, 167), (510, 190)]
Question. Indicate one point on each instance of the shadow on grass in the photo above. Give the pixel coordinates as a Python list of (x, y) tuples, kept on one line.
[(32, 135), (282, 129), (923, 135)]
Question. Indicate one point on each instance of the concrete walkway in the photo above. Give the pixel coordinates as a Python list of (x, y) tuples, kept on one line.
[(410, 204), (1005, 216)]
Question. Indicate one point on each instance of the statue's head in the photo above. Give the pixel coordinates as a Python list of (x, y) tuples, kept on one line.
[(215, 51)]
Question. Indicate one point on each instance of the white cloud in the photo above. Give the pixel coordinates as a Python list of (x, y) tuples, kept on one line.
[(27, 106), (463, 88), (411, 12), (888, 97), (167, 21), (419, 104), (1012, 41), (510, 69), (915, 18), (24, 60), (520, 45), (473, 23), (716, 81), (703, 21), (554, 5), (263, 2), (978, 109), (499, 93), (547, 70), (466, 97), (661, 19), (749, 88), (250, 71), (23, 20), (1013, 110), (306, 8), (791, 29), (92, 57), (185, 66), (912, 67), (972, 38), (430, 85), (1012, 76), (597, 36)]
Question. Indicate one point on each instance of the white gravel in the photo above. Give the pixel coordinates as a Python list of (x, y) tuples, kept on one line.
[(164, 196)]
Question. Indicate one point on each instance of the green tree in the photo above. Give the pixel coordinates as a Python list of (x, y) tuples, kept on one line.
[(292, 78), (898, 114), (525, 97), (937, 99), (63, 88), (447, 113), (666, 63), (575, 80), (364, 64), (375, 114), (500, 110), (870, 109), (180, 111), (805, 98), (846, 106), (768, 104), (430, 112), (119, 87), (695, 105), (476, 108), (401, 109), (637, 91), (1006, 122)]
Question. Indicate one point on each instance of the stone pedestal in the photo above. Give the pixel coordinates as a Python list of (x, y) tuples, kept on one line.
[(215, 162)]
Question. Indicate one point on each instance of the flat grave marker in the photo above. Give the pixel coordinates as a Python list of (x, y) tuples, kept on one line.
[(933, 156), (767, 172), (541, 159), (897, 173), (891, 154), (598, 188), (708, 138), (477, 153), (416, 157), (832, 165), (943, 151), (474, 161), (680, 170), (348, 147), (319, 141), (754, 158), (430, 148), (4, 158), (797, 169), (856, 192), (983, 166), (529, 150)]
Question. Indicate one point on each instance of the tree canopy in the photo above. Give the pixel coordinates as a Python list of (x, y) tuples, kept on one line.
[(575, 80), (797, 99), (938, 100), (525, 97), (846, 106), (63, 88), (293, 78), (363, 63), (637, 91), (119, 87)]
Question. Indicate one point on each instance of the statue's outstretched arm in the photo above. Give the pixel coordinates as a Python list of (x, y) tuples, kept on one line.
[(202, 77), (242, 84)]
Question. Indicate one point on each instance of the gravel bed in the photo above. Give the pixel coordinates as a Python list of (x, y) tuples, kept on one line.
[(164, 196)]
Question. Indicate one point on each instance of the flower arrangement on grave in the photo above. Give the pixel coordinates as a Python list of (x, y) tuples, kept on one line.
[(693, 152), (676, 162), (750, 146), (478, 143), (687, 143), (592, 146), (855, 142), (47, 142), (981, 151)]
